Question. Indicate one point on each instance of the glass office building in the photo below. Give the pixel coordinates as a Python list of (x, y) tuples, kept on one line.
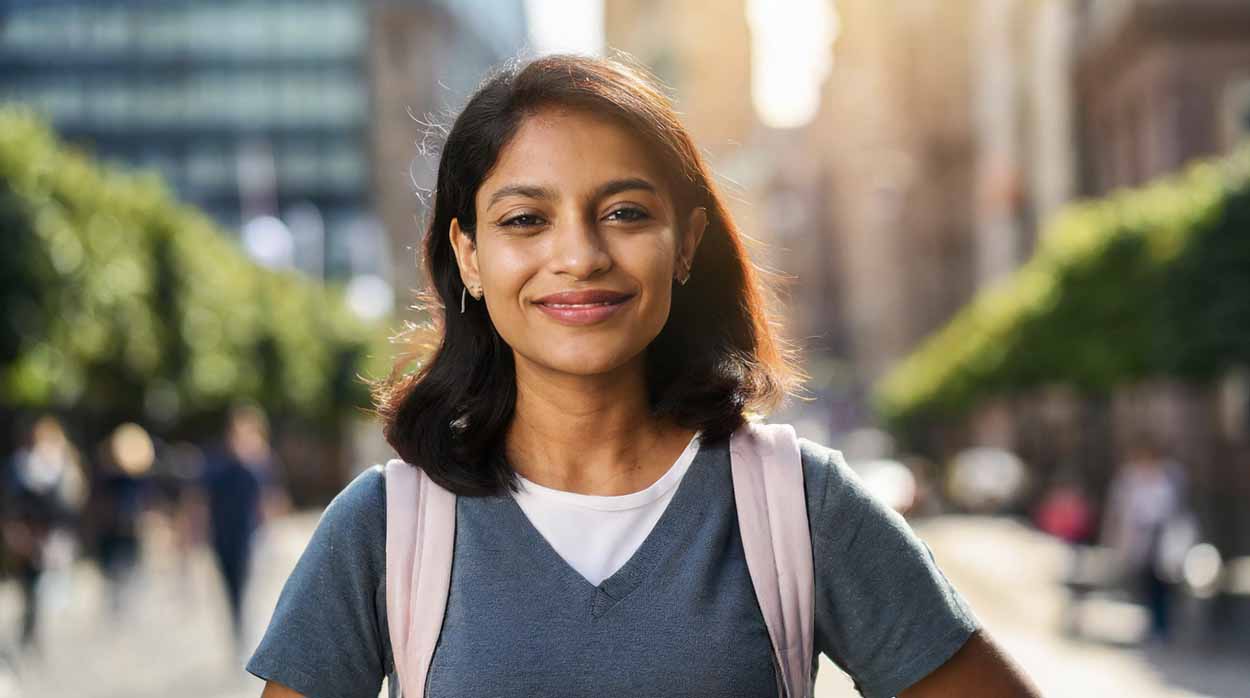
[(248, 108)]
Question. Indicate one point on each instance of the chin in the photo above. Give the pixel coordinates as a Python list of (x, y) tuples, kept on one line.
[(588, 362)]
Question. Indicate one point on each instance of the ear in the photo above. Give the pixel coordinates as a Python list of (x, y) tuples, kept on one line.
[(466, 254), (692, 236)]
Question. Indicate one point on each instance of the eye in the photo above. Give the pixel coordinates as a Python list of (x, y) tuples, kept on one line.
[(525, 220), (628, 214)]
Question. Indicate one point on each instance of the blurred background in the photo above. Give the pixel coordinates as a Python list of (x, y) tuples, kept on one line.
[(1011, 239)]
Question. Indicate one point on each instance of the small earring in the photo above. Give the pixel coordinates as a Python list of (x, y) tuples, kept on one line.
[(476, 291), (684, 279)]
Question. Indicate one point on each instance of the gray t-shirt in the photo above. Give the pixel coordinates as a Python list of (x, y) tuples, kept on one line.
[(679, 618)]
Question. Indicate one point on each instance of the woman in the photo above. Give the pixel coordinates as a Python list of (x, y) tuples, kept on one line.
[(580, 405)]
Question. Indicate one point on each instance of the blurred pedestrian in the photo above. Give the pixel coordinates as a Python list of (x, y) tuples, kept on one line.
[(43, 492), (1145, 496), (119, 496), (1066, 511), (238, 481)]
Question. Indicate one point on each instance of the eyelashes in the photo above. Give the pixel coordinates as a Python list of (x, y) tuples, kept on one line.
[(624, 214), (525, 220), (635, 214)]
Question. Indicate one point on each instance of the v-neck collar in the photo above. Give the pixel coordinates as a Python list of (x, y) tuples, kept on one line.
[(658, 542)]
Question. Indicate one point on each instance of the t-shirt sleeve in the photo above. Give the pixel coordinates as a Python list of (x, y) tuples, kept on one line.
[(884, 611), (326, 638)]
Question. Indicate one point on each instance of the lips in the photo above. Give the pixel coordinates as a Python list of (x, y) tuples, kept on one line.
[(582, 307), (588, 297)]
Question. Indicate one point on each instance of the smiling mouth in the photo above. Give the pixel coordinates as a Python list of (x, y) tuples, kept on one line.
[(583, 313)]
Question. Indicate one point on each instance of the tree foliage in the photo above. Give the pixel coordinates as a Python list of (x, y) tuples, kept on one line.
[(116, 297), (1146, 282)]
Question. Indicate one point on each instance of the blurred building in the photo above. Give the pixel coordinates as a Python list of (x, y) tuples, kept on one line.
[(897, 137), (703, 57), (425, 57), (302, 115), (1073, 99), (248, 108), (1161, 83), (1023, 116)]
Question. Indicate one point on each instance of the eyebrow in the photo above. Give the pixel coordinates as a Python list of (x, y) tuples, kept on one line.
[(534, 191)]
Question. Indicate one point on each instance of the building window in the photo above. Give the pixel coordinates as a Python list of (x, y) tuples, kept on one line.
[(111, 103), (344, 168), (299, 166), (209, 167)]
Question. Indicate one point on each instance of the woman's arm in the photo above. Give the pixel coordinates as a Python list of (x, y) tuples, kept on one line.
[(980, 669), (273, 689)]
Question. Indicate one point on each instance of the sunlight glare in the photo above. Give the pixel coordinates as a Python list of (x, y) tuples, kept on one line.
[(791, 56)]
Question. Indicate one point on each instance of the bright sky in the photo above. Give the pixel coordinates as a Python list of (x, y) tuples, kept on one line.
[(565, 26), (791, 48)]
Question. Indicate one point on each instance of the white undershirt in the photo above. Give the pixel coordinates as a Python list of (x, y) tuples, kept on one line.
[(598, 534)]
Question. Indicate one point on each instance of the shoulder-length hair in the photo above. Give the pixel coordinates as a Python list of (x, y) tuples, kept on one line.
[(715, 359)]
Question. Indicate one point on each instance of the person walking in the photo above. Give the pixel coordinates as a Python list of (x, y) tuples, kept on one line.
[(1146, 495), (601, 337), (236, 479), (120, 495), (43, 491)]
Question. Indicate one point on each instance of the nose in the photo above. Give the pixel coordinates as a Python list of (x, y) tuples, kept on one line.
[(578, 249)]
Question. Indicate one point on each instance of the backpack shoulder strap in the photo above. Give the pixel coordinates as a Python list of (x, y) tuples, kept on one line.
[(420, 536), (772, 516)]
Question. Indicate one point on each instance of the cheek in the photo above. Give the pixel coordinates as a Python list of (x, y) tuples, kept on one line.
[(651, 265), (654, 263), (504, 269), (649, 254)]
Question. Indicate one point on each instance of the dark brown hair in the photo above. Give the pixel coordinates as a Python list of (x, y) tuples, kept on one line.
[(715, 359)]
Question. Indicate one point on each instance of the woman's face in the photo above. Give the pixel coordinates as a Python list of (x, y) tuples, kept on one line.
[(574, 204)]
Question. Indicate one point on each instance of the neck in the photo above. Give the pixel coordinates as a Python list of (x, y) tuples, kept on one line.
[(589, 434)]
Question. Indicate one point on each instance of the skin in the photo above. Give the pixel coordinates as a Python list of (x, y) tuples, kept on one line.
[(581, 422)]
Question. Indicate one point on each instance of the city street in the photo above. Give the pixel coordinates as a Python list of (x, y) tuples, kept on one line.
[(173, 637), (1008, 571), (993, 251)]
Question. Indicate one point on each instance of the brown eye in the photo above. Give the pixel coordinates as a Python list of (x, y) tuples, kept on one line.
[(628, 214), (525, 220)]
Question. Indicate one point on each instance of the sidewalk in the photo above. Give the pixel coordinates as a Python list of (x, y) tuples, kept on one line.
[(1009, 573), (172, 638)]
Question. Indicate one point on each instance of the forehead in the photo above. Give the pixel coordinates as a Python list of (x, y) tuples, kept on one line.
[(572, 150)]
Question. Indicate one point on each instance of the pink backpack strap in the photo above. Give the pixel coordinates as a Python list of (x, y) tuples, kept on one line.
[(420, 537), (772, 515)]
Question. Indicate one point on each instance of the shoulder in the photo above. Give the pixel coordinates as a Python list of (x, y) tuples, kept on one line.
[(366, 492), (827, 477), (839, 505), (350, 537), (822, 464), (357, 514)]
